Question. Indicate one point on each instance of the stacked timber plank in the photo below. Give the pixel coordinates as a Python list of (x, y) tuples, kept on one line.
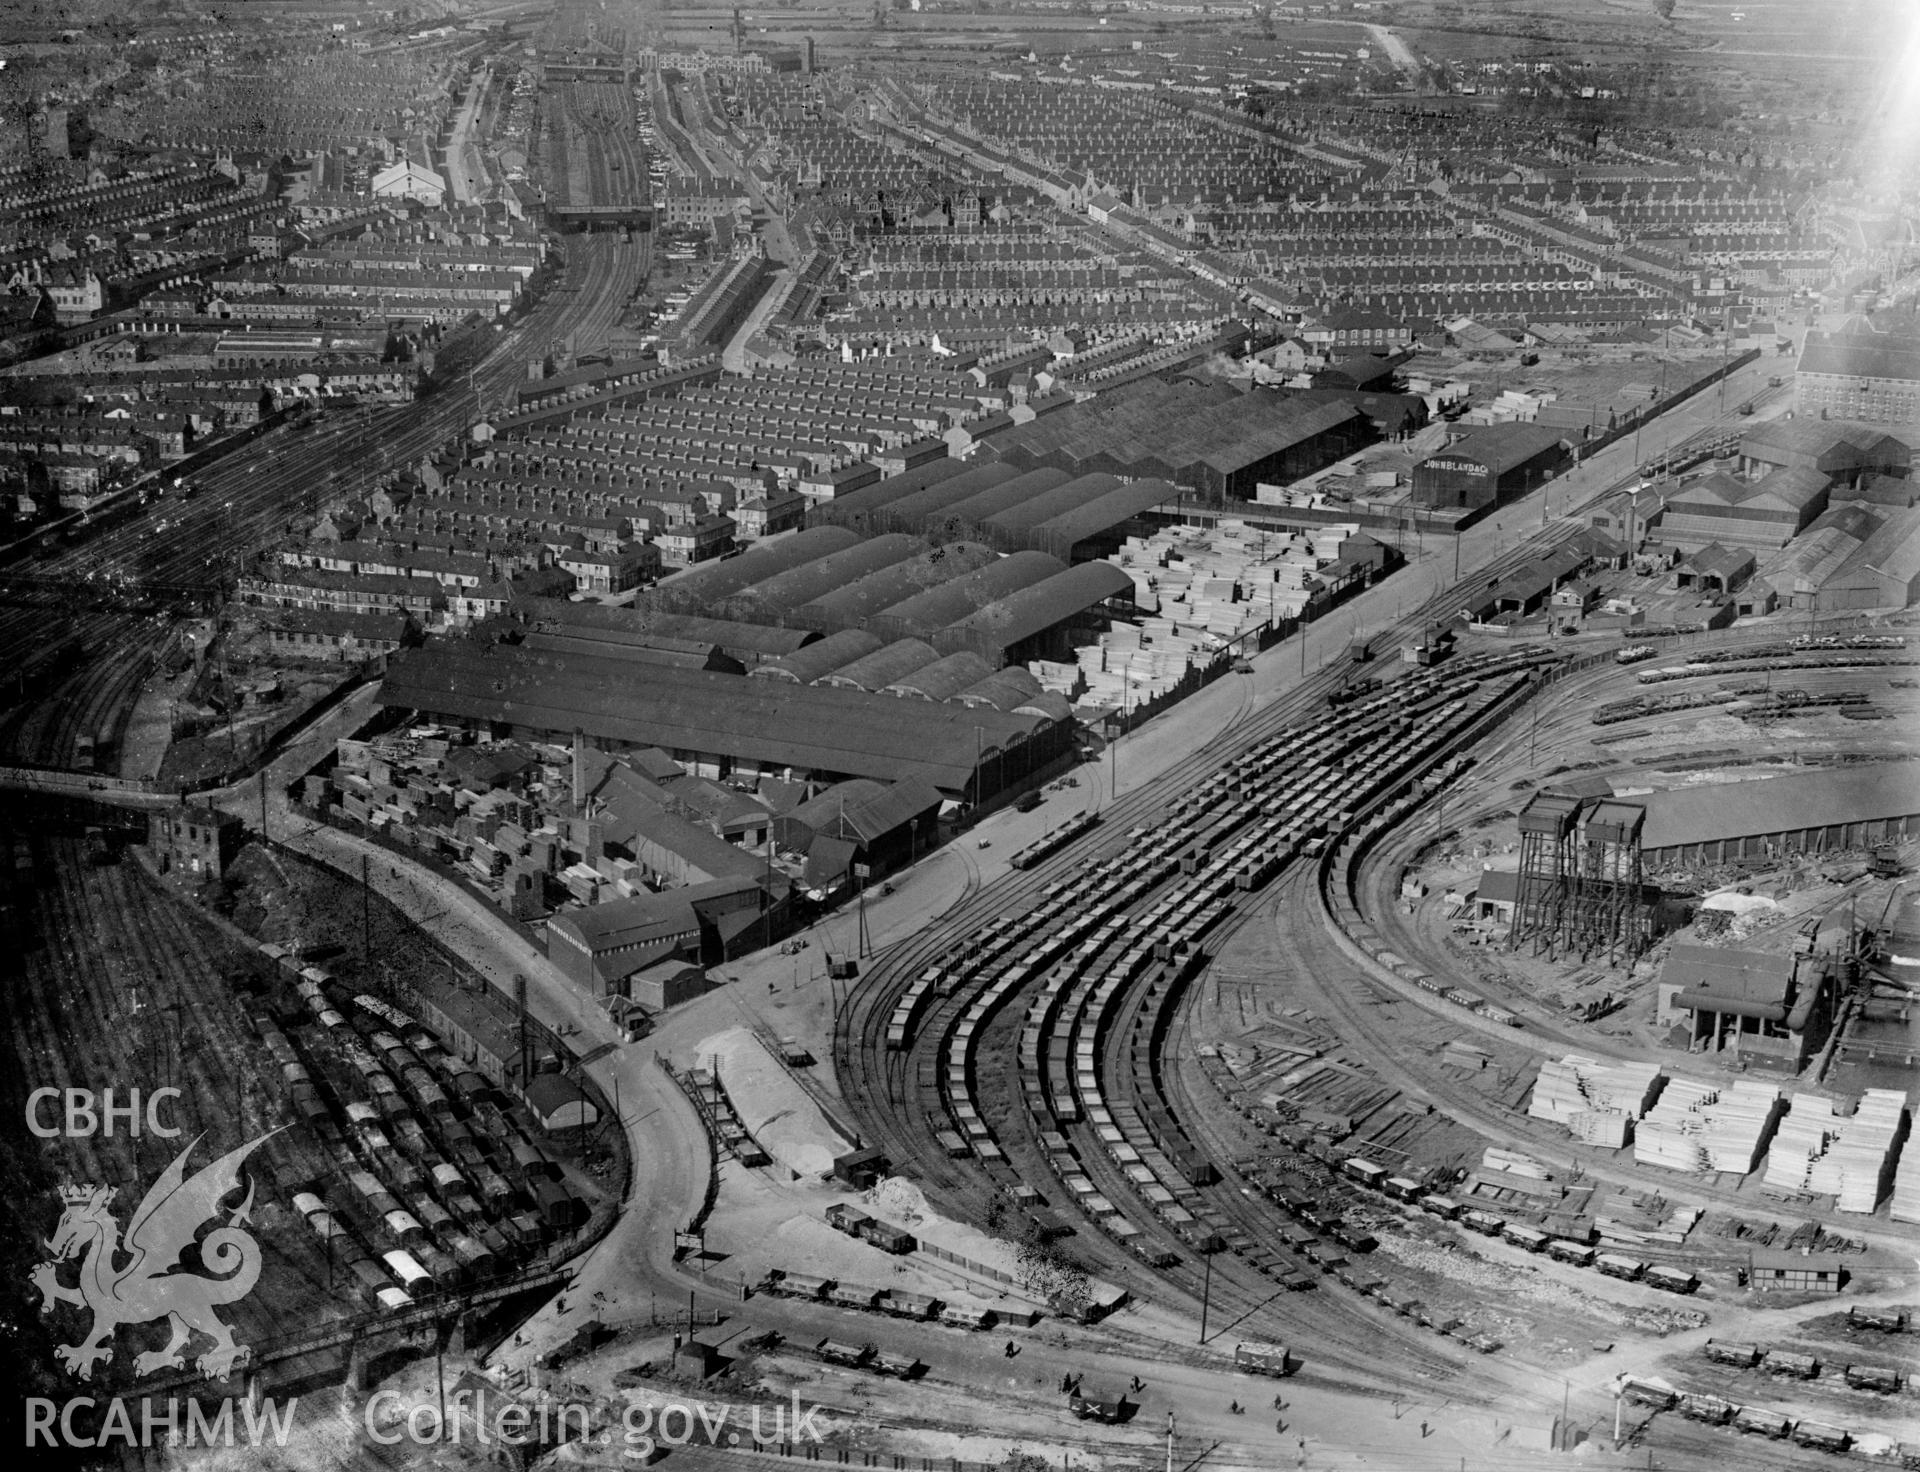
[(1705, 1127), (1825, 1154), (1596, 1101), (1906, 1186)]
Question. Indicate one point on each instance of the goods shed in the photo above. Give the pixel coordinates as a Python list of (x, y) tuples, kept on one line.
[(1857, 806), (1007, 689), (1763, 515), (942, 679), (771, 598), (857, 510), (981, 515), (924, 614), (914, 513), (891, 662), (1882, 572), (851, 605), (617, 630), (1038, 622), (698, 589), (1099, 527), (720, 726), (1489, 467), (806, 666)]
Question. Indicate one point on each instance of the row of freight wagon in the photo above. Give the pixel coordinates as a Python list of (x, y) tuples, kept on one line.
[(418, 1180), (1296, 784), (1715, 1410), (1488, 1224), (1799, 1366), (921, 1307)]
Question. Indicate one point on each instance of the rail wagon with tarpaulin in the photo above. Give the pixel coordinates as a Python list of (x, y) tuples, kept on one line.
[(408, 1270), (904, 1305), (1789, 1363), (1818, 1436), (1755, 1421)]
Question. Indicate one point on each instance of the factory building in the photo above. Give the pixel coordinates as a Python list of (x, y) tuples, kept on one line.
[(1489, 467), (1770, 1006)]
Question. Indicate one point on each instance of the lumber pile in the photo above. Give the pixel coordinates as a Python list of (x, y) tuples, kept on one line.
[(1821, 1152), (1596, 1101), (1700, 1127)]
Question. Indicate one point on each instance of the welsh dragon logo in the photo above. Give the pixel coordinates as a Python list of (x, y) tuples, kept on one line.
[(148, 1285)]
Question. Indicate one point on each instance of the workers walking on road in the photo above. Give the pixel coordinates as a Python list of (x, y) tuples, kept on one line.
[(1137, 1385), (1012, 1349)]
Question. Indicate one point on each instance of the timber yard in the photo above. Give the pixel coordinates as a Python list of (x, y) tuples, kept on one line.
[(960, 737)]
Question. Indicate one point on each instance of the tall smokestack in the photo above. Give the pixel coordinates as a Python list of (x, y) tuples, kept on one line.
[(579, 770)]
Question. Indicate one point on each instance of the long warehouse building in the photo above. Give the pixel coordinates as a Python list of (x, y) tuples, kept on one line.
[(723, 725), (1855, 806)]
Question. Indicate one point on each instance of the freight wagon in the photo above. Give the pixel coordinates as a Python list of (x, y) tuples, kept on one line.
[(1671, 1280), (838, 1353), (1531, 1239), (1261, 1359), (1757, 1422), (1616, 1266), (1785, 1362), (1872, 1377), (1725, 1352), (1821, 1437)]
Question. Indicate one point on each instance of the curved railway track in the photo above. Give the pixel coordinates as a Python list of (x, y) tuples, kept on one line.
[(898, 1090)]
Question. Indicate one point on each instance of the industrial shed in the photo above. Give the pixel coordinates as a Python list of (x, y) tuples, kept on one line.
[(942, 679), (1763, 515), (910, 513), (1006, 689), (1214, 441), (976, 515), (852, 604), (619, 630), (891, 662), (1767, 1004), (771, 598), (1489, 467), (924, 614), (1855, 806), (1883, 571), (807, 665), (856, 510), (887, 825), (722, 725), (1037, 622), (699, 588), (1836, 451), (1099, 528)]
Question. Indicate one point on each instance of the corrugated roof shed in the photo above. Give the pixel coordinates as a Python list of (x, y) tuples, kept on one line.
[(857, 510), (641, 628), (866, 811), (942, 679), (1745, 983), (807, 665), (1008, 496), (875, 671), (696, 589), (774, 596), (1067, 496), (910, 513), (1006, 689), (854, 603), (1061, 533), (1856, 793), (1021, 615), (810, 728), (926, 613)]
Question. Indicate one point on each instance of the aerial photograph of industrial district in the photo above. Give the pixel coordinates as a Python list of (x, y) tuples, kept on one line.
[(960, 735)]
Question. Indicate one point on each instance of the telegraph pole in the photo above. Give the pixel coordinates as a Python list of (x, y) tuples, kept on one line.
[(1206, 1299)]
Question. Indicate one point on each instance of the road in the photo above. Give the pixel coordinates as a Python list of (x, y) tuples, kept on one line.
[(1399, 52)]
